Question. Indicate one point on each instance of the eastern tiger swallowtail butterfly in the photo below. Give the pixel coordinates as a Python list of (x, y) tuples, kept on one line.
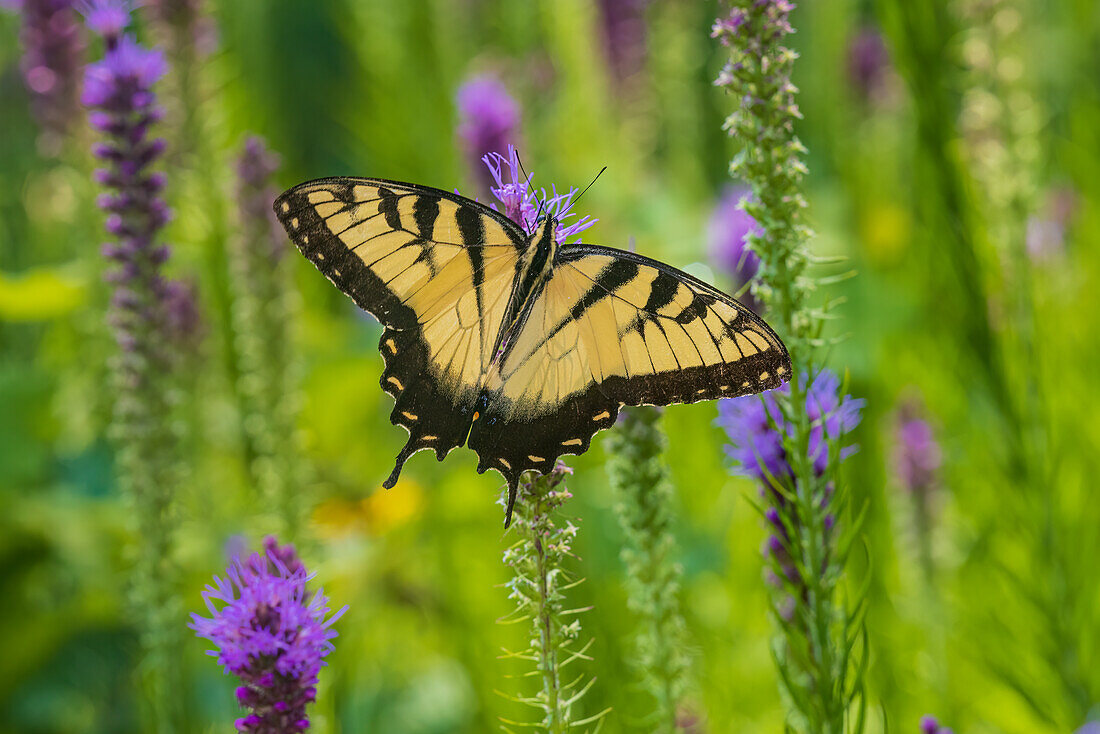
[(520, 346)]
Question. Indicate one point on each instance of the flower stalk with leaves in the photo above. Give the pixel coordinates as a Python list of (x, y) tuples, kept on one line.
[(820, 651), (263, 311), (119, 91), (639, 478), (538, 588)]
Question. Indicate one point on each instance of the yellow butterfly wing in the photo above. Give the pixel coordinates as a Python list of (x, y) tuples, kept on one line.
[(612, 328), (435, 268)]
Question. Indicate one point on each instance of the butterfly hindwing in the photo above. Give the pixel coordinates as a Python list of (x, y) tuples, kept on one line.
[(435, 269), (611, 328)]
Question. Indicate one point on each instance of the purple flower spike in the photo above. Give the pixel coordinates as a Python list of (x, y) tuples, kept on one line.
[(122, 81), (758, 432), (273, 633), (489, 121), (183, 319), (119, 91), (255, 167), (51, 62), (868, 63), (624, 36), (757, 447), (917, 455), (522, 204), (727, 233)]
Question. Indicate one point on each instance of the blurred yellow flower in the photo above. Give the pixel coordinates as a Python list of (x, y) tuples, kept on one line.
[(386, 509), (39, 294), (377, 514), (884, 230)]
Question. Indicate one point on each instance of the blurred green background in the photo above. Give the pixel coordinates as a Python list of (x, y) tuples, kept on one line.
[(995, 628)]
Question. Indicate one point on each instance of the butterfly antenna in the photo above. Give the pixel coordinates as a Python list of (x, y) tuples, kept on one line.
[(586, 188), (527, 181)]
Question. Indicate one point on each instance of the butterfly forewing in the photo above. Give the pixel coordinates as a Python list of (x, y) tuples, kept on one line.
[(435, 269), (613, 328)]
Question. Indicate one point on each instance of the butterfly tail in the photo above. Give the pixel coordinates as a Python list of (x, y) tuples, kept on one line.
[(409, 450), (513, 492)]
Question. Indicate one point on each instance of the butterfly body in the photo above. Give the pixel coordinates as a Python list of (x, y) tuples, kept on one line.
[(517, 345)]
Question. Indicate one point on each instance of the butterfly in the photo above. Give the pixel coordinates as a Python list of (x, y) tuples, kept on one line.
[(519, 346)]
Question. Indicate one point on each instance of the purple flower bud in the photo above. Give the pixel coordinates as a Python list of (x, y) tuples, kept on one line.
[(868, 62), (51, 62), (106, 18), (105, 151), (183, 322), (727, 233), (929, 725), (917, 456), (115, 225), (154, 182), (623, 28), (255, 167), (125, 298), (489, 122)]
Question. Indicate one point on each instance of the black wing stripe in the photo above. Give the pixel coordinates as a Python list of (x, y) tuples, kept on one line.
[(614, 276)]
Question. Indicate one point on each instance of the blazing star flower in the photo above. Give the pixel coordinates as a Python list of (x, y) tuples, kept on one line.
[(523, 204), (182, 316), (273, 633), (107, 18), (757, 431), (756, 428), (727, 231), (255, 167), (119, 89), (917, 456), (868, 62), (489, 121), (770, 21), (51, 63)]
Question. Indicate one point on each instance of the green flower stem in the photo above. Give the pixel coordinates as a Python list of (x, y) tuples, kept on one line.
[(538, 589), (639, 478), (264, 307)]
